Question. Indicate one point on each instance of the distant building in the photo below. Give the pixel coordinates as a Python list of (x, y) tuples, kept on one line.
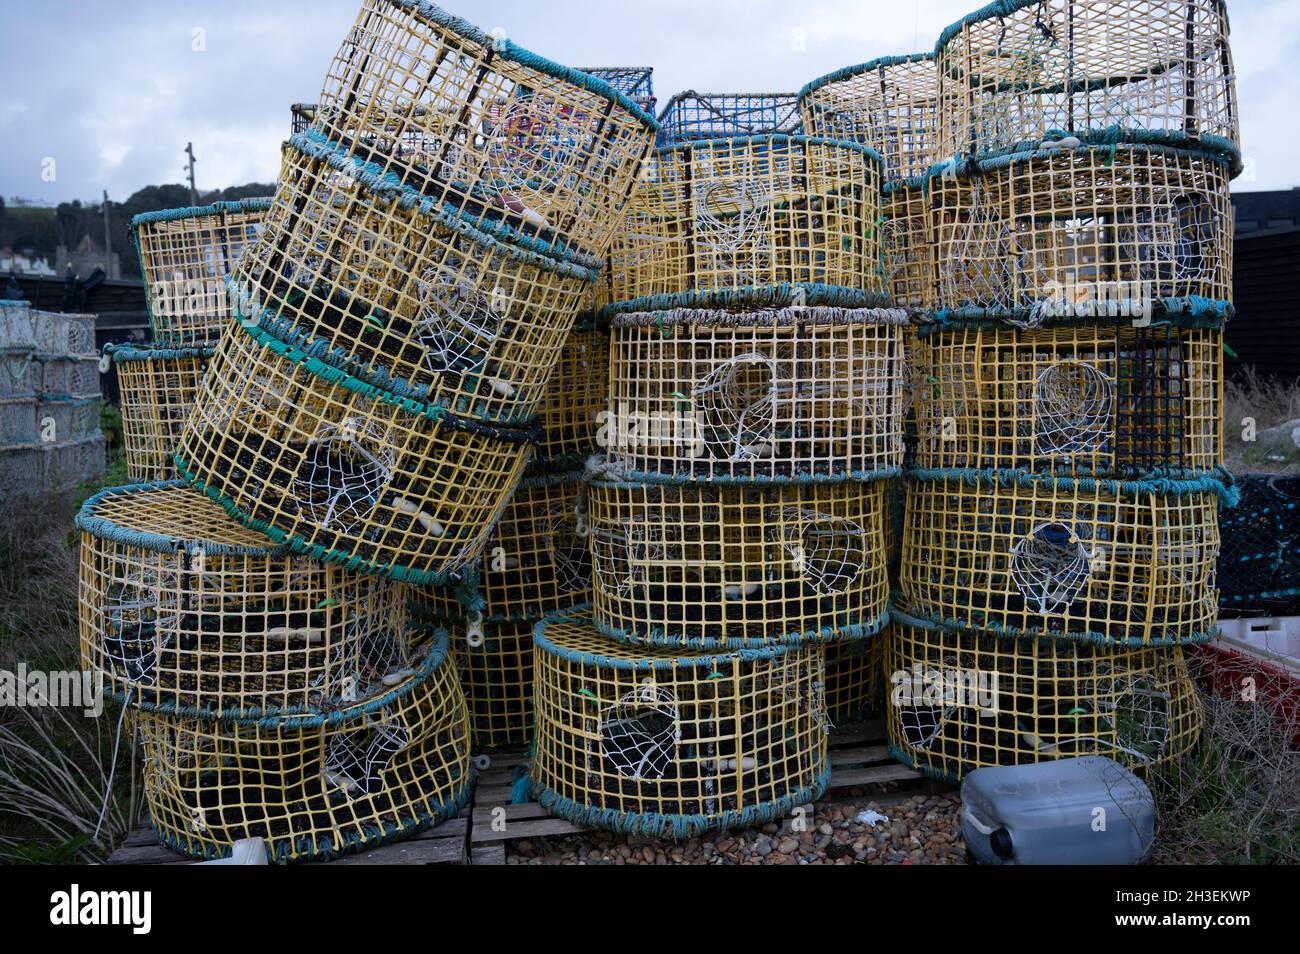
[(85, 258), (1266, 211), (18, 264)]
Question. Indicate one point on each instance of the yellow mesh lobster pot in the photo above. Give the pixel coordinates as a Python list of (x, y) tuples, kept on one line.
[(496, 674), (317, 785), (503, 137), (908, 246), (401, 292), (576, 399), (1103, 400), (157, 388), (722, 216), (1084, 233), (958, 701), (738, 564), (1110, 562), (788, 392), (185, 256), (889, 104), (1018, 72), (184, 610), (537, 559), (855, 679), (341, 470), (647, 740)]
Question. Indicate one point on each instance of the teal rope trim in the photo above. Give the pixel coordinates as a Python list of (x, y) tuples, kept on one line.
[(753, 297), (1239, 598), (333, 375), (1220, 483), (299, 544), (561, 463), (15, 303), (701, 659), (660, 638), (956, 627), (677, 826), (911, 760), (89, 521), (285, 329), (1005, 8), (385, 185), (537, 481), (76, 400), (261, 204), (871, 66), (641, 478), (771, 139), (300, 717), (1193, 312), (124, 352), (1100, 139), (328, 847), (505, 49)]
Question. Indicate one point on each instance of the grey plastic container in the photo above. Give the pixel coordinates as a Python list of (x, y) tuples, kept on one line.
[(1078, 811)]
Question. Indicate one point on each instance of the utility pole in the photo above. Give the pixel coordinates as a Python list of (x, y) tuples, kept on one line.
[(189, 151), (108, 241)]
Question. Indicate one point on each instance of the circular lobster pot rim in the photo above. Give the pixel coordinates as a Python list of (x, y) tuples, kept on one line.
[(506, 49), (762, 317), (89, 521), (123, 353), (1010, 634), (1000, 9), (330, 375), (630, 657), (1113, 145), (230, 206), (635, 479), (745, 298), (857, 69), (1218, 482), (436, 654)]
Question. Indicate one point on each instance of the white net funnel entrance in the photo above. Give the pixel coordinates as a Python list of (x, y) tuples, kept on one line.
[(829, 551), (343, 476), (640, 732), (1050, 567), (457, 325), (356, 761), (737, 402), (1073, 409)]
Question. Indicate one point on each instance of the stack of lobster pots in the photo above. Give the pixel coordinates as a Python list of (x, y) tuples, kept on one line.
[(365, 416), (736, 517), (1061, 522)]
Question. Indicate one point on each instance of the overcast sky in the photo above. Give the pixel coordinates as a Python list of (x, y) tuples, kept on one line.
[(112, 91)]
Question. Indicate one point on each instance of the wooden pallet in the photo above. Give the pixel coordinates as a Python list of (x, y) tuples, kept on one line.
[(445, 844), (859, 761), (858, 755)]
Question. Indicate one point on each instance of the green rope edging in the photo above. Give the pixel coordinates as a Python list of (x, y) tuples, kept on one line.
[(302, 717), (955, 627), (630, 479), (1218, 482), (299, 544), (677, 826), (751, 297), (1192, 312), (692, 658), (124, 352), (771, 139), (659, 637), (910, 759), (88, 521), (365, 837), (224, 207), (871, 66)]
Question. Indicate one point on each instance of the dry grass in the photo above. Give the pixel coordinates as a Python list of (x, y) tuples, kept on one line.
[(1235, 799), (1268, 401), (54, 763)]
